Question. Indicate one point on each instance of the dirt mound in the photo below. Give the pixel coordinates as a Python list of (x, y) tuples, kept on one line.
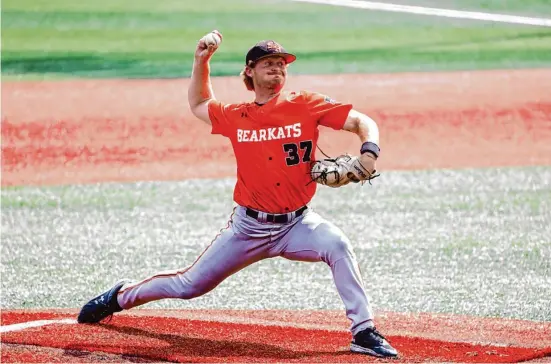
[(63, 132)]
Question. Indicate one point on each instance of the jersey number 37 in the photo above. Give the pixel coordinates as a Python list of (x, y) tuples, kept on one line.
[(296, 153)]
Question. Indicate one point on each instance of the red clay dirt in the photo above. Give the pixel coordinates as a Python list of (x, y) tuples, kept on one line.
[(254, 336), (37, 354), (68, 132)]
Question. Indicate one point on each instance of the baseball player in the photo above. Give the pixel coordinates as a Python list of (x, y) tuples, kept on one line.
[(274, 140)]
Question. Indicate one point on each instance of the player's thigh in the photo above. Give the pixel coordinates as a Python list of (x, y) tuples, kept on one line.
[(228, 253), (316, 239)]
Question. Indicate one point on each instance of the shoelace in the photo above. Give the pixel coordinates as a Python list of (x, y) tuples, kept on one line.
[(373, 331), (377, 333)]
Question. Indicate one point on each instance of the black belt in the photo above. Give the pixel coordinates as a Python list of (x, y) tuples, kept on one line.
[(277, 218)]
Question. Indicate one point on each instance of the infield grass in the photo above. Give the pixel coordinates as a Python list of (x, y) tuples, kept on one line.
[(468, 241), (62, 38)]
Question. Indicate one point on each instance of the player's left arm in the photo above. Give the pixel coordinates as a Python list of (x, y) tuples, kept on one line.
[(336, 172), (368, 131)]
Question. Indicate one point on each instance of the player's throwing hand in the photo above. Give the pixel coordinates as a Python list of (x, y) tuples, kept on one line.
[(207, 45)]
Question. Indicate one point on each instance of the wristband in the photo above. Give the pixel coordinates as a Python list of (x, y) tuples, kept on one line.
[(370, 147)]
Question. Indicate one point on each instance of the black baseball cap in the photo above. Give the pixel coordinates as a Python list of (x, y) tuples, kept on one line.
[(267, 48)]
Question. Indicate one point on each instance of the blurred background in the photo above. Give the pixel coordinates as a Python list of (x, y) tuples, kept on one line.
[(146, 38)]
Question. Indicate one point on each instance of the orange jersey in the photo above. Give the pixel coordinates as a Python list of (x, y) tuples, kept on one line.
[(274, 144)]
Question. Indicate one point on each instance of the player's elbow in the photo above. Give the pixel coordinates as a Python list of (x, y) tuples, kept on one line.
[(362, 125), (201, 110), (194, 100), (195, 105), (356, 122), (365, 122)]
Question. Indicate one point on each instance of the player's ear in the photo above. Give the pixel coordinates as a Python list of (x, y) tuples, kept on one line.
[(247, 80)]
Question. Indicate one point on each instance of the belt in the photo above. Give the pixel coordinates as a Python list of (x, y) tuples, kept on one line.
[(277, 218)]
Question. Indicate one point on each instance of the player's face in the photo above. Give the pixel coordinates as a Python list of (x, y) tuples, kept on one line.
[(270, 72)]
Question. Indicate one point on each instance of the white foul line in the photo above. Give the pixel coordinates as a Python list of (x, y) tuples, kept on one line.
[(372, 5), (31, 324)]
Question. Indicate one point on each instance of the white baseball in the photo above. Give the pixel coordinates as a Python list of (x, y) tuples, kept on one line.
[(212, 39)]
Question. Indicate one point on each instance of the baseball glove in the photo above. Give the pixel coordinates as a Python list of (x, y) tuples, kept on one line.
[(340, 171)]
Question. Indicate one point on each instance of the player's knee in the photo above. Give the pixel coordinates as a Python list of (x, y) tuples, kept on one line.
[(194, 290), (334, 245), (340, 247)]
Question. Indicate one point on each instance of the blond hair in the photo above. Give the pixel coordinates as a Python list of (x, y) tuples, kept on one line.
[(247, 80)]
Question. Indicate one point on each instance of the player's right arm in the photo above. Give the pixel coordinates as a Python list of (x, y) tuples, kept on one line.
[(200, 92)]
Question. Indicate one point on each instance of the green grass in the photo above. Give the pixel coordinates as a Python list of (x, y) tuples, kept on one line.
[(430, 242), (63, 38)]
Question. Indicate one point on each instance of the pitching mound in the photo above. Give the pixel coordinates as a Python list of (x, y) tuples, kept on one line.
[(262, 336)]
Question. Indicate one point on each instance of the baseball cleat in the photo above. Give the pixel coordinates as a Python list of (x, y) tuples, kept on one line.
[(102, 306), (371, 342)]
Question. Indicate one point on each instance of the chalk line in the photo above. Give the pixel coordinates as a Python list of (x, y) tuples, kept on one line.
[(459, 14), (32, 324)]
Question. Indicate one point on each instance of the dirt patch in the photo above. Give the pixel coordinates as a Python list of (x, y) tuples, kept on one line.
[(16, 353), (448, 327), (267, 336), (64, 132)]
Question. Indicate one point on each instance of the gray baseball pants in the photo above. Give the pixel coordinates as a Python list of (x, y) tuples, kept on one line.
[(308, 238)]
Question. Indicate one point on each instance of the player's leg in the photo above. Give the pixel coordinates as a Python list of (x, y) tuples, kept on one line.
[(227, 254), (230, 252), (314, 239)]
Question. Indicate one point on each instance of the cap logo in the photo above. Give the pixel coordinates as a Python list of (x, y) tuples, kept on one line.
[(273, 46), (329, 100)]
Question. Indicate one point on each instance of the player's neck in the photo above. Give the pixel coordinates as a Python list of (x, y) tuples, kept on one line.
[(264, 96)]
